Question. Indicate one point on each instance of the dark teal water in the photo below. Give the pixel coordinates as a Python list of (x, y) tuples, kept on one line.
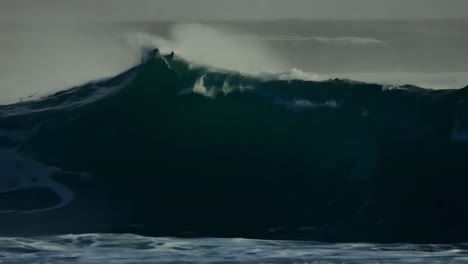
[(166, 149)]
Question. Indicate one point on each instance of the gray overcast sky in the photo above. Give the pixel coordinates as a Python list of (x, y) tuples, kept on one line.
[(84, 10)]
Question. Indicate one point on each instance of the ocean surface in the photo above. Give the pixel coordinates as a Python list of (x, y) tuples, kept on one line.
[(278, 142), (102, 248)]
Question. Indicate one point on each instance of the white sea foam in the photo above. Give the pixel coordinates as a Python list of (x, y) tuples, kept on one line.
[(200, 88), (222, 50), (21, 173), (125, 249), (206, 45)]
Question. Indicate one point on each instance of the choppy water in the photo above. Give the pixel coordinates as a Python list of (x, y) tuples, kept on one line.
[(124, 248)]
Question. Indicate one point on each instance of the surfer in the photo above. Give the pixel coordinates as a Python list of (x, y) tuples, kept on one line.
[(170, 56)]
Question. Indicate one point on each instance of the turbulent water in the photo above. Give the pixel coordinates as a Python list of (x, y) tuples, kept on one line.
[(172, 148), (99, 248)]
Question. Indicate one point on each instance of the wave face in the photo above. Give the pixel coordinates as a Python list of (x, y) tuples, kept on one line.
[(173, 149)]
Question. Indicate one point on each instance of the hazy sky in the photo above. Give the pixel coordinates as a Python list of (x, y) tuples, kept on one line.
[(84, 10)]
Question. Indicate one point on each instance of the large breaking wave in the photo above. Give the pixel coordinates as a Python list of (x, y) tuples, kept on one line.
[(173, 148)]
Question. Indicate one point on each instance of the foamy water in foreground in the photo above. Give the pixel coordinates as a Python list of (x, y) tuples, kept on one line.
[(110, 248)]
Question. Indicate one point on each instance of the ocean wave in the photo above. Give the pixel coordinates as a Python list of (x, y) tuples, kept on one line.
[(176, 148)]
